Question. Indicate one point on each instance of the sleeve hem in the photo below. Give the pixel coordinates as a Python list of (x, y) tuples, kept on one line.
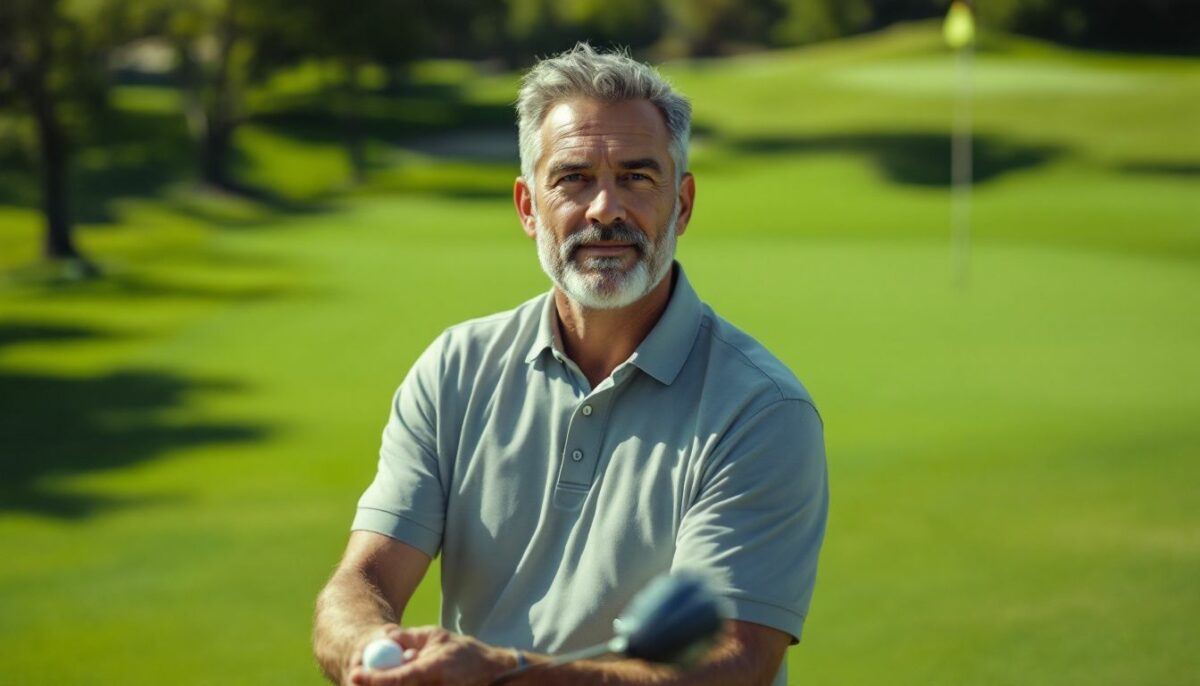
[(767, 614), (398, 527)]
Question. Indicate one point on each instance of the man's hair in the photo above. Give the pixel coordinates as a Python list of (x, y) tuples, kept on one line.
[(582, 72)]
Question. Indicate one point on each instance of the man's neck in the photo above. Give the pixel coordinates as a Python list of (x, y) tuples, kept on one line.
[(599, 340)]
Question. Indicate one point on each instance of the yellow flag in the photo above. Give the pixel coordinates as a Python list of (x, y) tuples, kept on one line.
[(959, 28)]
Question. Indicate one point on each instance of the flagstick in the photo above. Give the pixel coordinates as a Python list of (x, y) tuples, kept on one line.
[(961, 171)]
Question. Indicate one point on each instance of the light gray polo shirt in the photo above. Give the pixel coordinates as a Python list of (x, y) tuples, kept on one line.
[(553, 503)]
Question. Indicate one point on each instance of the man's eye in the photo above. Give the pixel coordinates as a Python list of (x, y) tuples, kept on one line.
[(571, 178), (635, 176)]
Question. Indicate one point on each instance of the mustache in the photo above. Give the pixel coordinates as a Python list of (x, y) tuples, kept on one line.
[(617, 232)]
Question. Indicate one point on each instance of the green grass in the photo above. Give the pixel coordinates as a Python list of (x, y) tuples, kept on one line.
[(1013, 465)]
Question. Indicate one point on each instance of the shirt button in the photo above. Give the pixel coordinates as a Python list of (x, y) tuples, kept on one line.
[(577, 455), (587, 410)]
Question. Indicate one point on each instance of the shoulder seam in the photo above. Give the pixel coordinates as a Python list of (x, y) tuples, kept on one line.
[(785, 399), (778, 388)]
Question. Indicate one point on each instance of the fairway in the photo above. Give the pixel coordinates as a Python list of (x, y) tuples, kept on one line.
[(1013, 465)]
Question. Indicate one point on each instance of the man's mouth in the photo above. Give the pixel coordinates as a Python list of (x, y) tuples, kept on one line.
[(605, 249)]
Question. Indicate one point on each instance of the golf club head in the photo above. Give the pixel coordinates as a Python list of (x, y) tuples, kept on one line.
[(674, 620)]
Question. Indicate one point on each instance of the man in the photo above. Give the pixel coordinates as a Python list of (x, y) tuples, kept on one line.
[(562, 454)]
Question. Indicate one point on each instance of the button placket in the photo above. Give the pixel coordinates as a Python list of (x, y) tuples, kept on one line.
[(585, 436)]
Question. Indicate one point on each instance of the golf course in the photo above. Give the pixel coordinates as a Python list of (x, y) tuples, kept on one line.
[(1014, 461)]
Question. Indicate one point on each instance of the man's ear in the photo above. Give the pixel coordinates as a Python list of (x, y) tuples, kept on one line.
[(687, 201), (523, 199)]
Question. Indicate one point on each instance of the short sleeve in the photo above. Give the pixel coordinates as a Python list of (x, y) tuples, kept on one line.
[(757, 524), (406, 501)]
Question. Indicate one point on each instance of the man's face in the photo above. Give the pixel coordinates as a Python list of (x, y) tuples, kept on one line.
[(606, 210)]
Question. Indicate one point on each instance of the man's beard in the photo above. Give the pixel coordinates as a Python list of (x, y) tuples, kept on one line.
[(604, 283)]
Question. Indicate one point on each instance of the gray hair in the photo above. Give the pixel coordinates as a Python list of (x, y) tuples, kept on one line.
[(611, 77)]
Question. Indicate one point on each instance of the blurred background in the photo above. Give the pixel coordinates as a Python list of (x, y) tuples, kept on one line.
[(227, 228)]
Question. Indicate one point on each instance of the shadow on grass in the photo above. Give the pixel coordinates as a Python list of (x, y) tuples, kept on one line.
[(41, 280), (59, 426), (135, 286), (15, 333), (919, 159), (55, 426), (149, 154), (395, 117), (132, 155), (1181, 169)]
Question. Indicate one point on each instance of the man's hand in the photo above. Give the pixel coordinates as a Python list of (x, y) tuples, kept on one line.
[(353, 661), (439, 657), (363, 600)]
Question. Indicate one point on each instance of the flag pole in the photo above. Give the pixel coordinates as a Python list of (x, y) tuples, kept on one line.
[(959, 32)]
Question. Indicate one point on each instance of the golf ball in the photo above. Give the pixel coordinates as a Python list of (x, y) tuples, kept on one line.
[(381, 654)]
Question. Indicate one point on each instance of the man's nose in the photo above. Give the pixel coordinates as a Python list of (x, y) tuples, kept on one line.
[(606, 207)]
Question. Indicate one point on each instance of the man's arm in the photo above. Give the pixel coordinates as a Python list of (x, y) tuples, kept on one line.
[(748, 655), (364, 599)]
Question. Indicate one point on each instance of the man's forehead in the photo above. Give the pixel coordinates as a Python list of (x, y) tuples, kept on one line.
[(582, 126)]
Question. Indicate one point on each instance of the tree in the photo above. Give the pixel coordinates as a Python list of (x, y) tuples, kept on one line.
[(213, 43), (387, 33), (709, 27), (1144, 25), (807, 21), (541, 27), (52, 63)]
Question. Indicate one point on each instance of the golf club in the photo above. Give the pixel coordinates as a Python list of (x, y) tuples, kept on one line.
[(674, 620)]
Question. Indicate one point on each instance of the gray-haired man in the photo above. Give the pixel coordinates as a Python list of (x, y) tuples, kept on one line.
[(562, 454)]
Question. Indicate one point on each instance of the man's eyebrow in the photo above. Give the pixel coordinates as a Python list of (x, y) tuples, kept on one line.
[(568, 166), (643, 163)]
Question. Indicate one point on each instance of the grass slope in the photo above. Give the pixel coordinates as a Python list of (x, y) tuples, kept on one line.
[(1012, 465)]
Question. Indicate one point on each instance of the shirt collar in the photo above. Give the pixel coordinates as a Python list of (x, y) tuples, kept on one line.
[(667, 346), (664, 350), (547, 332)]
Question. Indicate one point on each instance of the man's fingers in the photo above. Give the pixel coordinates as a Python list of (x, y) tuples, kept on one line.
[(416, 639), (407, 675), (387, 677)]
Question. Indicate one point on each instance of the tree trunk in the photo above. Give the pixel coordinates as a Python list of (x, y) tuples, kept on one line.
[(219, 114), (352, 129), (32, 78), (52, 150), (208, 101), (214, 152)]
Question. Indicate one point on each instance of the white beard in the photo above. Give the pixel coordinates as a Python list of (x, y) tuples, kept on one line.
[(604, 285)]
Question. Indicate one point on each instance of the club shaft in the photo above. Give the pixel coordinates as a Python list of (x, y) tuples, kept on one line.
[(589, 653)]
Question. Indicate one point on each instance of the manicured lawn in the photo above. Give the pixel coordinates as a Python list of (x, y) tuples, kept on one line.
[(1013, 465)]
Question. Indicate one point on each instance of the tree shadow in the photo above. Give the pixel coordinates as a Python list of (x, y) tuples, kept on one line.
[(394, 115), (919, 159), (1155, 168), (62, 426), (131, 154), (36, 279), (137, 286), (15, 333), (54, 426)]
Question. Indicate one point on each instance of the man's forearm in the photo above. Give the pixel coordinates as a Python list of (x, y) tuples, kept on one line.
[(731, 662), (349, 608)]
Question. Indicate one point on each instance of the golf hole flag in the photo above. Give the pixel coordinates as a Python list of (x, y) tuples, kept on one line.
[(959, 27)]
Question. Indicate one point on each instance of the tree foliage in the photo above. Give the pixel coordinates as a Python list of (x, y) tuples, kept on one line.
[(1143, 25), (54, 54)]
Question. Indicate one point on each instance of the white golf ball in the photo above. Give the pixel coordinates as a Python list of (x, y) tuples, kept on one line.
[(381, 654)]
